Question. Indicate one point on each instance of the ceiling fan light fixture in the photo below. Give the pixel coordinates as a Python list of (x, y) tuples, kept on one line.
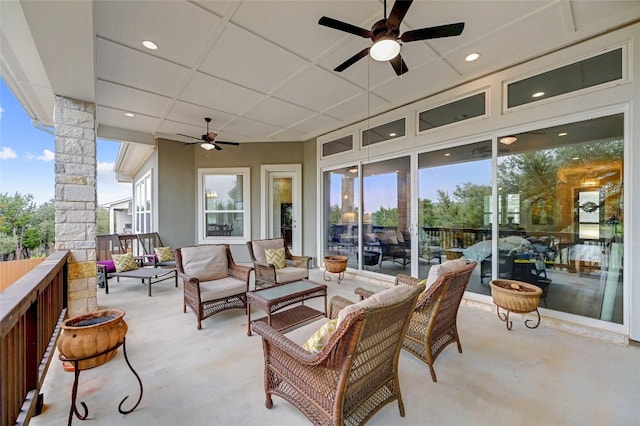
[(385, 49), (207, 145)]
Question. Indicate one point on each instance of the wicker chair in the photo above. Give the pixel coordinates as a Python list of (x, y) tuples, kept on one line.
[(354, 376), (433, 325), (213, 282), (266, 275)]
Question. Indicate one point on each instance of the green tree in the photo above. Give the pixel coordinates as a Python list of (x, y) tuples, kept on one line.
[(16, 213), (102, 221), (386, 216), (335, 214)]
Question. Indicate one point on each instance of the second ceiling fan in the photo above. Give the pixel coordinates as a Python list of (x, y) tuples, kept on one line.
[(385, 35)]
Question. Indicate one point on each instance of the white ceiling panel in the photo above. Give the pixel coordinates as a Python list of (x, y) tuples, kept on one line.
[(240, 56), (132, 100), (219, 94), (115, 118), (358, 108), (321, 122), (589, 13), (219, 7), (159, 21), (282, 113), (317, 89), (250, 128), (122, 65), (195, 114), (288, 135)]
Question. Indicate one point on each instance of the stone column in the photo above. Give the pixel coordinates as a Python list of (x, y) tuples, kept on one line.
[(75, 171)]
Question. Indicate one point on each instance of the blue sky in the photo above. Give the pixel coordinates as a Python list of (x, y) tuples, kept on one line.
[(27, 157)]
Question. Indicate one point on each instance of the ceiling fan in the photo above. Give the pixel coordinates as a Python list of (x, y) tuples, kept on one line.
[(386, 37), (208, 140)]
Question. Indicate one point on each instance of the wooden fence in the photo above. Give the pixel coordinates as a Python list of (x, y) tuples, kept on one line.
[(12, 270)]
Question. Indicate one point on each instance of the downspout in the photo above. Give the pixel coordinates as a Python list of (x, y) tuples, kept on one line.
[(38, 125)]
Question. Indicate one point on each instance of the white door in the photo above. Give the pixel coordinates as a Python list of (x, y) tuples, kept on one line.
[(282, 204)]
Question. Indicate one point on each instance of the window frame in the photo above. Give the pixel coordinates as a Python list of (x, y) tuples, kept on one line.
[(203, 173), (146, 180)]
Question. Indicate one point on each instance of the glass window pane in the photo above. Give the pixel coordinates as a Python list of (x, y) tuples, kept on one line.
[(337, 146), (222, 200), (454, 209), (580, 75), (385, 132), (463, 109), (561, 198)]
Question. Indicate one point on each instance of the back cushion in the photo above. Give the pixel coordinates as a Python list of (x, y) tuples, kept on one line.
[(260, 246), (448, 266), (205, 262), (389, 295)]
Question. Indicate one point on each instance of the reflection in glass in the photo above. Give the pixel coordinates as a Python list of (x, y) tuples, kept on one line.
[(567, 234), (341, 189), (223, 201)]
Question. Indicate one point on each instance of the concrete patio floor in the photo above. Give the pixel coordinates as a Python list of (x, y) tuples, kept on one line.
[(214, 376)]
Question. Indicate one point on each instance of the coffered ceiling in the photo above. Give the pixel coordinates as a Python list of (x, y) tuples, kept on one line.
[(263, 69)]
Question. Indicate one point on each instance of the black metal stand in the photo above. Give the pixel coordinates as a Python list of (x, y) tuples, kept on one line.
[(328, 277), (74, 391), (505, 317)]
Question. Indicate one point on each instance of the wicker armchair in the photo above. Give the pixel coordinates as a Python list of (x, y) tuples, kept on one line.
[(213, 282), (266, 274), (354, 376), (433, 325)]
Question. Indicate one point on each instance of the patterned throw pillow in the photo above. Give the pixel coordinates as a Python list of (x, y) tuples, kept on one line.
[(275, 257), (319, 339), (165, 254), (124, 262)]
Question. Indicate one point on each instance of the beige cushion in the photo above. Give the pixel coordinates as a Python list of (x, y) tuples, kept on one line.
[(259, 246), (385, 296), (124, 262), (301, 334), (319, 339), (205, 263), (165, 254), (275, 257), (290, 273), (224, 287), (389, 237), (446, 267)]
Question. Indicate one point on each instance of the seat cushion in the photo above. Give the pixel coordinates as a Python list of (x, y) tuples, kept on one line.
[(218, 289), (205, 262), (290, 273), (109, 265), (259, 246), (124, 262), (275, 257), (446, 267), (388, 295)]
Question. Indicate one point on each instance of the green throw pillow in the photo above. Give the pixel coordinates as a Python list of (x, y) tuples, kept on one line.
[(124, 262), (320, 338), (165, 254), (275, 257)]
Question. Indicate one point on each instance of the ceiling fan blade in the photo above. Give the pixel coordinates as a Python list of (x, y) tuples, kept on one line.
[(343, 26), (399, 10), (398, 65), (352, 60), (227, 143), (433, 32), (187, 136), (218, 148)]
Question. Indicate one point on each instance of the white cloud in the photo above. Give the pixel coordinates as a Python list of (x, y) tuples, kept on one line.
[(1, 111), (105, 166), (7, 153), (47, 155)]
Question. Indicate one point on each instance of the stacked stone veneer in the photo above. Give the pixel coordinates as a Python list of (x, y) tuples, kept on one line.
[(75, 171)]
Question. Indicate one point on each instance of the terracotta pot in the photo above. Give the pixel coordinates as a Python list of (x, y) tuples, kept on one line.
[(336, 264), (87, 335)]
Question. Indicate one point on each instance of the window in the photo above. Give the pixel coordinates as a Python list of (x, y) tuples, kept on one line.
[(337, 146), (384, 132), (223, 205), (577, 76), (143, 204), (463, 109)]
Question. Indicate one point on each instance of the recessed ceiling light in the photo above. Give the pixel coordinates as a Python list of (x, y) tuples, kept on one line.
[(562, 134), (537, 94), (472, 57), (447, 154), (392, 134), (150, 45), (508, 140), (128, 114)]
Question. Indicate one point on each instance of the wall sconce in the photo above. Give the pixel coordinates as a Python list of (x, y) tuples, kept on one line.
[(212, 194)]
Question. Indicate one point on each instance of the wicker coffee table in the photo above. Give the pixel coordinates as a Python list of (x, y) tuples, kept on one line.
[(273, 299)]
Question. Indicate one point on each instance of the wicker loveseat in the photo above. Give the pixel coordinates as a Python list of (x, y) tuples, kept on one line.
[(213, 282), (433, 325), (296, 268), (355, 374)]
